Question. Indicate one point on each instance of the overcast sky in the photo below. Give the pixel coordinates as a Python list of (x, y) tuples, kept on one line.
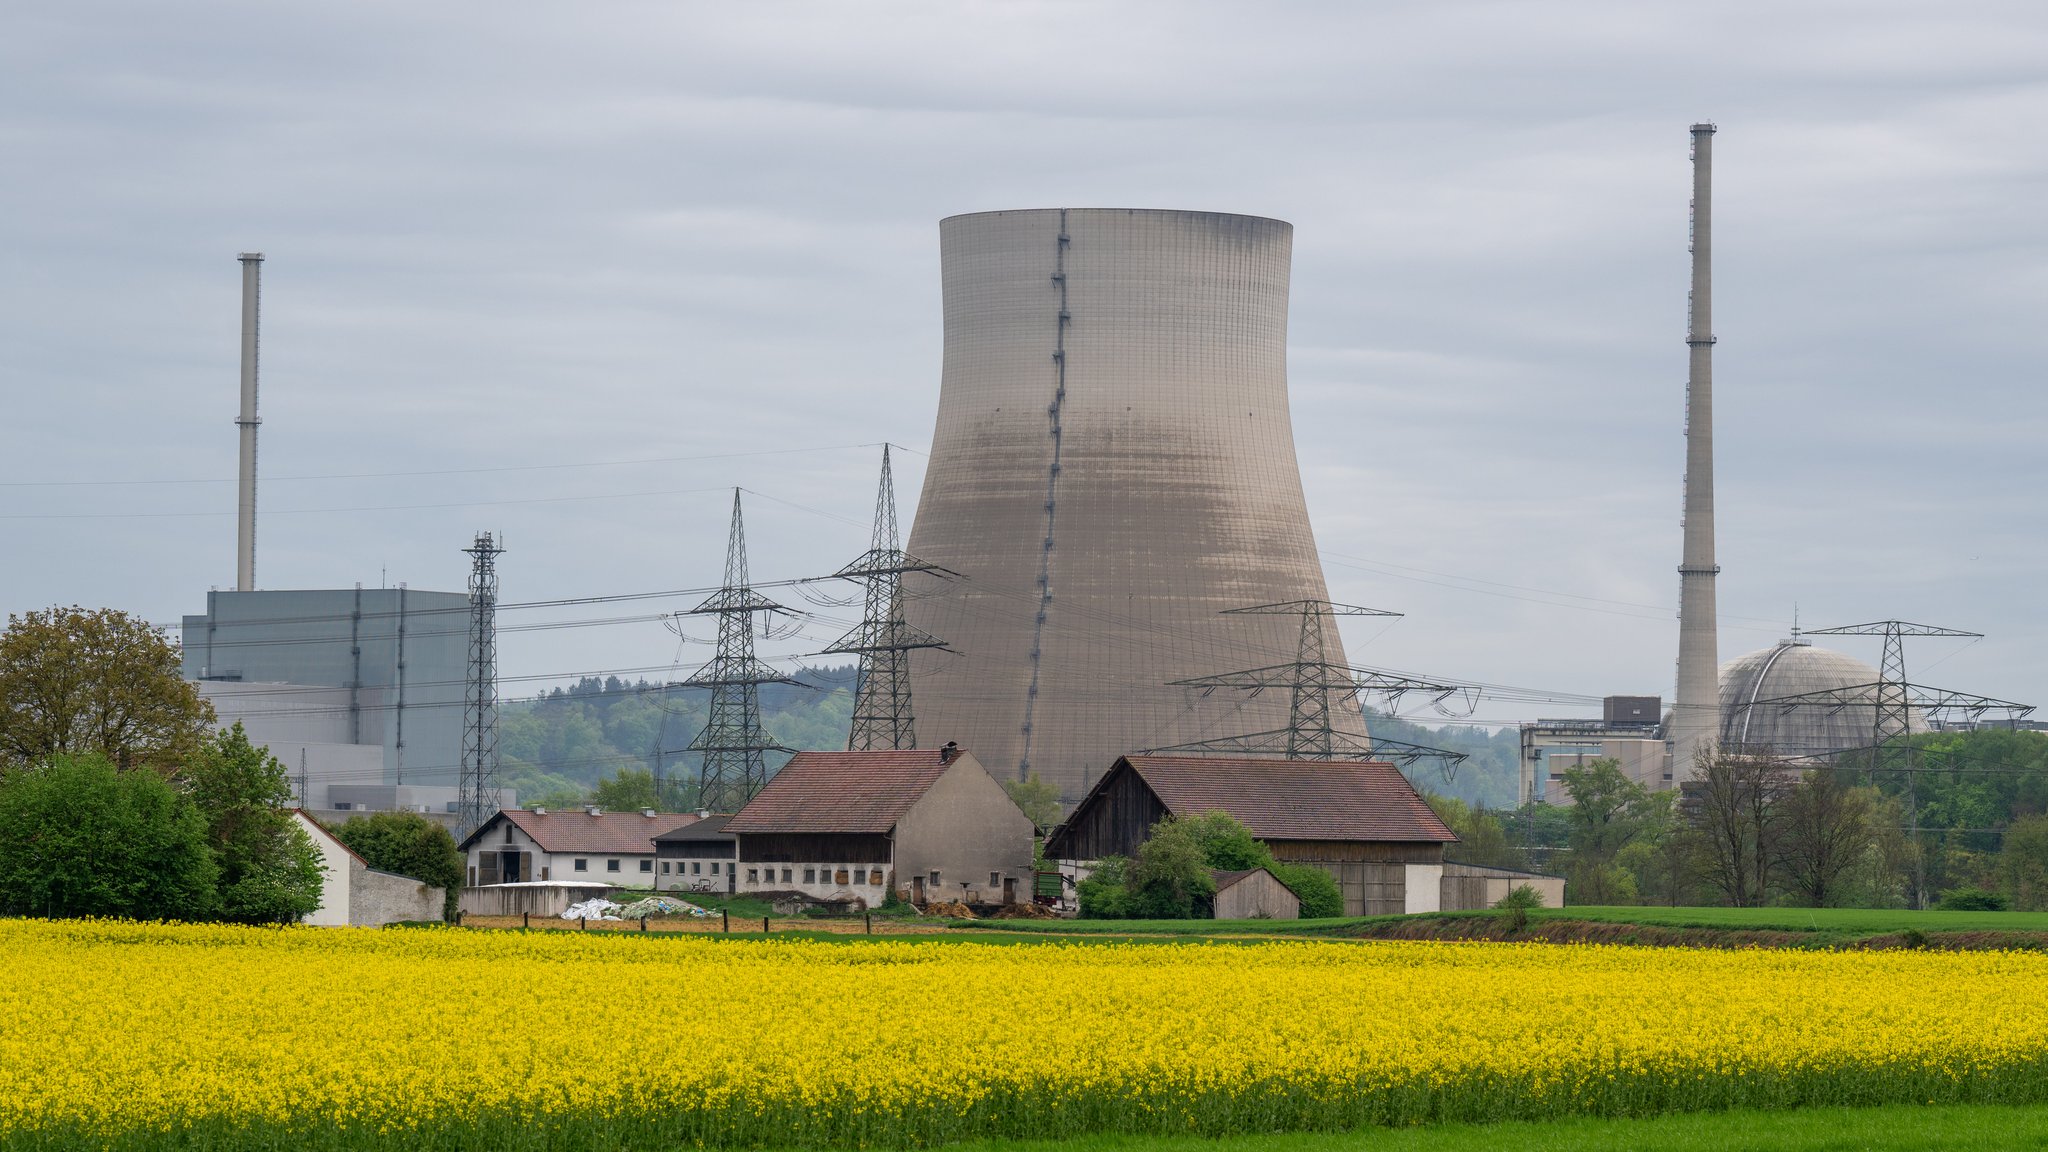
[(517, 252)]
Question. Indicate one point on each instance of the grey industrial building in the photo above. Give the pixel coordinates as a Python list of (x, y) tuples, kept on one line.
[(1113, 469), (366, 684)]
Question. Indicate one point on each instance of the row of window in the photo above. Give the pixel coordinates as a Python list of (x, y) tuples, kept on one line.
[(696, 867), (870, 875), (582, 864)]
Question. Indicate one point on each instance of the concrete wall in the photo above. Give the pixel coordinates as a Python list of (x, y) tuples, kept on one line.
[(378, 898), (1646, 762), (967, 829), (1176, 494), (1466, 887), (537, 899), (1259, 896)]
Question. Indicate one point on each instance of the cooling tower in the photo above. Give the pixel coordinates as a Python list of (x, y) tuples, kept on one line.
[(1113, 468)]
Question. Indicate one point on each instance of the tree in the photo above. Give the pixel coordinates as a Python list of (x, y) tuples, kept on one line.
[(1609, 812), (1824, 832), (410, 845), (1731, 807), (1482, 838), (270, 870), (2022, 867), (632, 788), (1039, 800), (78, 837), (99, 682), (1170, 879)]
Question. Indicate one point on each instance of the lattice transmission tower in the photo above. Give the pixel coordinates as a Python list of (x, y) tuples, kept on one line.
[(477, 794), (733, 743), (1315, 687), (882, 714)]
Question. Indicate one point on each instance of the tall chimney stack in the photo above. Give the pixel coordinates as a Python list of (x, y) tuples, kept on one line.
[(245, 503), (1696, 714)]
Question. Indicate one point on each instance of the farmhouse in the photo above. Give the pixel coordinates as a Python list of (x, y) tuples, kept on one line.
[(354, 894), (1360, 821), (586, 844), (850, 827), (696, 857)]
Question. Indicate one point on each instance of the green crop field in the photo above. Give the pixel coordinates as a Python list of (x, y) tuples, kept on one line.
[(1847, 921), (1909, 1128)]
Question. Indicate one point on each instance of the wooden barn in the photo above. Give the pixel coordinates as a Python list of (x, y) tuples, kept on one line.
[(1360, 821), (1254, 894)]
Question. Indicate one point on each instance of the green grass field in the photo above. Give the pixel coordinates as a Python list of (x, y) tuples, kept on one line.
[(1849, 921), (1894, 1129)]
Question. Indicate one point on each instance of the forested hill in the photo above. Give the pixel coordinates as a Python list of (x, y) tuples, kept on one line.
[(557, 747)]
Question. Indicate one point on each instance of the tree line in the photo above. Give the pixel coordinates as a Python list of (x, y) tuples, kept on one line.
[(1965, 828)]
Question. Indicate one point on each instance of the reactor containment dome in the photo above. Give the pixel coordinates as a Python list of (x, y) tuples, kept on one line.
[(1749, 722), (1112, 471)]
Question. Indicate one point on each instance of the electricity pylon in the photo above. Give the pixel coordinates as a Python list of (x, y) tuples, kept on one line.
[(477, 796), (734, 745), (882, 712)]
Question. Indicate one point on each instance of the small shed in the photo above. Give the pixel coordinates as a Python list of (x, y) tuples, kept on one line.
[(1254, 894), (699, 857)]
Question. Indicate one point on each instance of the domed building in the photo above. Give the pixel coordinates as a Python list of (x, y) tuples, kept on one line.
[(1792, 668)]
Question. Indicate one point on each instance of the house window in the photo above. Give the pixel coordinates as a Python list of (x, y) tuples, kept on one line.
[(583, 865), (508, 833), (611, 865), (875, 877), (995, 879), (696, 868), (753, 876), (810, 875), (714, 867), (664, 867), (647, 865), (785, 875), (934, 881)]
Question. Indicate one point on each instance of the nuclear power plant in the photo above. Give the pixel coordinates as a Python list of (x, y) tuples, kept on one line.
[(1112, 471)]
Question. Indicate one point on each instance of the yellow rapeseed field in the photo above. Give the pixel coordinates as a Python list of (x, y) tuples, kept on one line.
[(135, 1031)]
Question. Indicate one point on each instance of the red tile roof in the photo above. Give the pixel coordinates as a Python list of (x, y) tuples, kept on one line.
[(1296, 799), (575, 830), (842, 792)]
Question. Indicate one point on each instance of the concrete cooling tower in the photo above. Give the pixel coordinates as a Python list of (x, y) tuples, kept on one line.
[(1113, 468)]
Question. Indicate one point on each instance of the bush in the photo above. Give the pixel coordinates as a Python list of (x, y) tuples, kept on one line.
[(1170, 879), (1102, 893), (1971, 900), (80, 838), (1316, 889), (1516, 904)]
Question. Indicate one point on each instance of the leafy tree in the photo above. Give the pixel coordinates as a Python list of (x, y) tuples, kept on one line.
[(1482, 838), (1170, 878), (410, 845), (270, 870), (1039, 800), (2022, 868), (78, 837), (97, 682), (632, 788), (1972, 900), (1824, 832)]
